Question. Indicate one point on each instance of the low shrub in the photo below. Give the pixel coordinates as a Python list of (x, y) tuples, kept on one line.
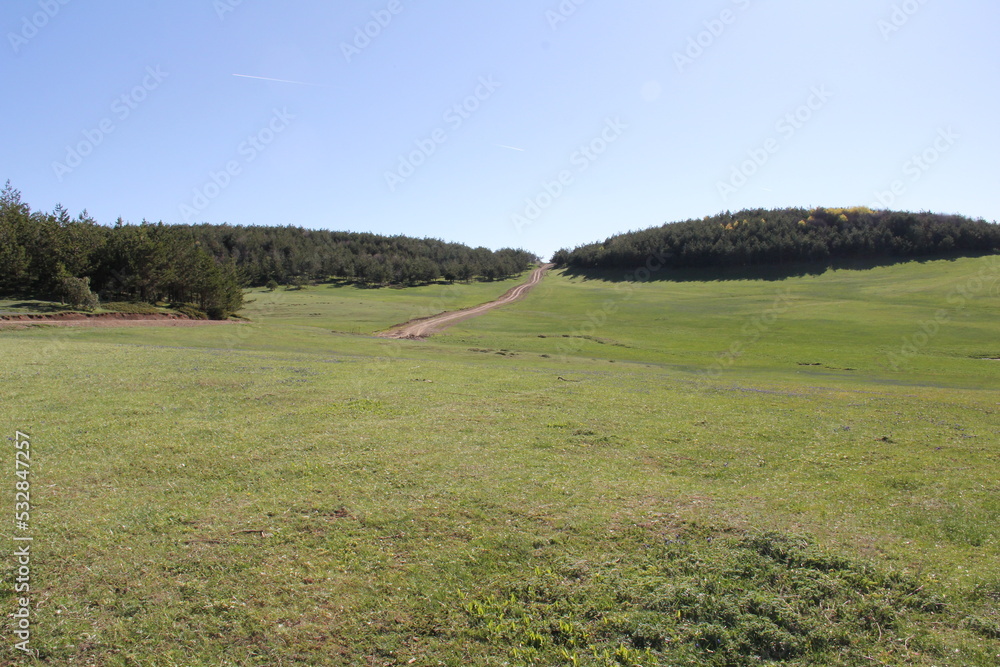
[(192, 312)]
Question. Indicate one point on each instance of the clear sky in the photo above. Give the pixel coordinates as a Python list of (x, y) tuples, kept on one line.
[(526, 123)]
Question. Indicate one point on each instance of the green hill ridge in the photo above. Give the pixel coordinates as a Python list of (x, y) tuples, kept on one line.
[(763, 237)]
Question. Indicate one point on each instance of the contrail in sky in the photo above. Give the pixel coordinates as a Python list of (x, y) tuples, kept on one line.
[(510, 147), (264, 78)]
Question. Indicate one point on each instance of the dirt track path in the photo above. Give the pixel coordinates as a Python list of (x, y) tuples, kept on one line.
[(422, 328)]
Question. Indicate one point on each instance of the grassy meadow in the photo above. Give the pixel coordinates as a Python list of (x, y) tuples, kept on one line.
[(666, 472)]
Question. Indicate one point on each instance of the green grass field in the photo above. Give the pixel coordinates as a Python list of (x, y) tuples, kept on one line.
[(800, 471)]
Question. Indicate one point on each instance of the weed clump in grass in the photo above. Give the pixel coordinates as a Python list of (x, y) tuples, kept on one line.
[(711, 599)]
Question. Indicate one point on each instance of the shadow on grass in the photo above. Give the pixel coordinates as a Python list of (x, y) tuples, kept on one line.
[(38, 307), (357, 284), (771, 272)]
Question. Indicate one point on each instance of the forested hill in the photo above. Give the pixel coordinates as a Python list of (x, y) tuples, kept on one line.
[(761, 237), (181, 263), (284, 253)]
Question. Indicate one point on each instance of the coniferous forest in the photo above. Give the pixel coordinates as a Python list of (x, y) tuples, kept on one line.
[(760, 237), (207, 266), (48, 255)]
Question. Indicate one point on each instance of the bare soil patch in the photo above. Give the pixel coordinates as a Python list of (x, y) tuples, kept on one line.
[(421, 328)]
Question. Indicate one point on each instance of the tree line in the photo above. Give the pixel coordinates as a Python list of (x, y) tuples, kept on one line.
[(53, 255), (759, 237), (283, 254)]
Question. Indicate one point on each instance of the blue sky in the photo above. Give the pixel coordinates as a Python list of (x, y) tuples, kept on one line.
[(529, 123)]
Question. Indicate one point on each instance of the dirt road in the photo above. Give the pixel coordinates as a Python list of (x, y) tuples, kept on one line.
[(422, 328)]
